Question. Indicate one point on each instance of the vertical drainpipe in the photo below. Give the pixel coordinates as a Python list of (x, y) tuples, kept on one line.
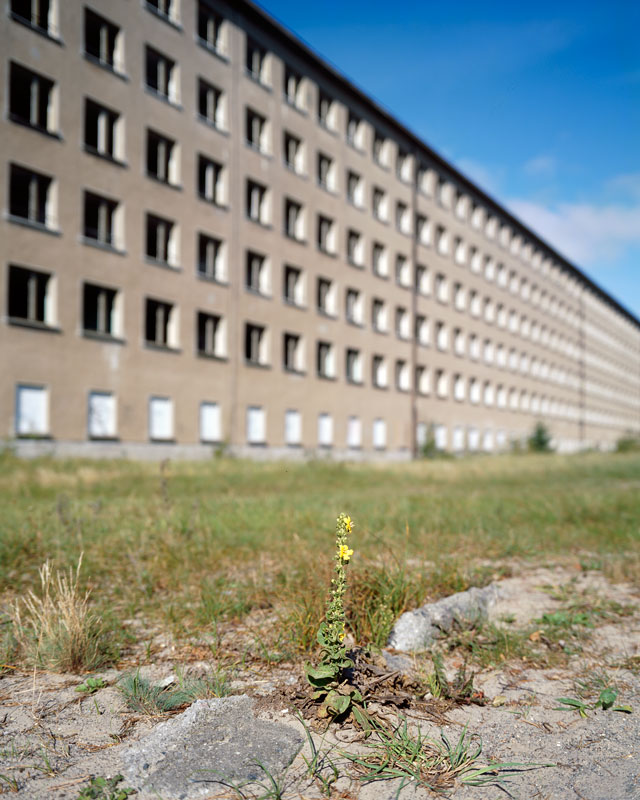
[(414, 307), (581, 370), (234, 184)]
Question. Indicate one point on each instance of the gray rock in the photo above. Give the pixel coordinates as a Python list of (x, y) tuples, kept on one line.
[(213, 741), (417, 630)]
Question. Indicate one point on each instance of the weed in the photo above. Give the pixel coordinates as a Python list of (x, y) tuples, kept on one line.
[(91, 685), (57, 629), (396, 753), (460, 689), (320, 763), (540, 439), (105, 789), (10, 783), (605, 701), (148, 698)]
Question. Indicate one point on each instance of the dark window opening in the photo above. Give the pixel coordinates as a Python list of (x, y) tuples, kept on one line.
[(28, 294)]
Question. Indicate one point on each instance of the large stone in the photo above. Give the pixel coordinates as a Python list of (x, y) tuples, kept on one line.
[(212, 743), (418, 630)]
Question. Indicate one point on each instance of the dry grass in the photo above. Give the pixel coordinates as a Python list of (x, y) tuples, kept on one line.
[(56, 629)]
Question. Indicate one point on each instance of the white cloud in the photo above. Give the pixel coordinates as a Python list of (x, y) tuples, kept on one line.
[(585, 233), (487, 179), (626, 185), (542, 166)]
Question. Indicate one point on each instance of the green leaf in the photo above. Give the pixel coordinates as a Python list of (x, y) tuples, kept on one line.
[(607, 698), (570, 701), (624, 709), (322, 672), (337, 703)]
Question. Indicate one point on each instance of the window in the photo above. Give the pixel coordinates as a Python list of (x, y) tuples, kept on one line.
[(475, 303), (292, 353), (442, 336), (257, 206), (379, 434), (210, 335), (355, 248), (353, 365), (162, 161), (379, 320), (423, 336), (403, 166), (458, 388), (210, 29), (442, 288), (255, 344), (161, 323), (326, 235), (32, 410), (490, 270), (210, 181), (326, 110), (161, 75), (354, 130), (402, 323), (355, 189), (293, 286), (402, 217), (403, 271), (474, 391), (473, 438), (423, 230), (423, 380), (160, 419), (474, 347), (488, 351), (256, 131), (326, 297), (423, 280), (457, 441), (489, 310), (31, 296), (101, 415), (292, 427), (293, 153), (402, 376), (379, 376), (354, 307), (293, 220), (379, 259), (442, 240), (38, 14), (210, 258), (30, 196), (354, 433), (442, 383), (325, 360), (257, 273), (101, 312), (168, 9), (459, 297), (501, 397), (103, 41), (31, 98), (256, 425), (459, 345), (379, 204), (487, 441), (256, 62), (211, 106), (162, 240), (102, 128), (325, 430), (294, 89), (379, 149), (326, 172), (460, 251), (210, 422)]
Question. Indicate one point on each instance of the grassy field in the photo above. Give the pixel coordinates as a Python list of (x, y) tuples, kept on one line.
[(190, 548)]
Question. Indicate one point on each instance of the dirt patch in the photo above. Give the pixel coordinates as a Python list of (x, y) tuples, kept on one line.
[(572, 635)]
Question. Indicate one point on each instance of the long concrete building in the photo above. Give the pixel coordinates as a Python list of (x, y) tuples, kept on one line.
[(210, 238)]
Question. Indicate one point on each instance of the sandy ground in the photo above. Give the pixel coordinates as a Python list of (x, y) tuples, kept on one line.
[(53, 739)]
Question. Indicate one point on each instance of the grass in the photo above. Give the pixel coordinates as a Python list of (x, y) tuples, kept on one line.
[(152, 699), (195, 547)]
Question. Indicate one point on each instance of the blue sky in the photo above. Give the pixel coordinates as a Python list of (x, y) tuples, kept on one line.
[(539, 103)]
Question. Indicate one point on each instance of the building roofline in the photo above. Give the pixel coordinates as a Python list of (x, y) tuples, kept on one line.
[(260, 15)]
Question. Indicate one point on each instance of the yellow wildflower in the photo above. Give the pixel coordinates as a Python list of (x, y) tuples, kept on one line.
[(345, 552), (348, 524), (341, 636)]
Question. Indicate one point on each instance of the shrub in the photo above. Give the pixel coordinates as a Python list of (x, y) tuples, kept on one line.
[(540, 439)]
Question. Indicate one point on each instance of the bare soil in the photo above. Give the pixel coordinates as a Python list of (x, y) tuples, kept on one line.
[(53, 739)]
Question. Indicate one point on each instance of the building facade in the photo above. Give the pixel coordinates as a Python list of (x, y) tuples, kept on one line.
[(210, 237)]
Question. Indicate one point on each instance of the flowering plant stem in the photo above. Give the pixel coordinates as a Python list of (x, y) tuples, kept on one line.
[(329, 679)]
